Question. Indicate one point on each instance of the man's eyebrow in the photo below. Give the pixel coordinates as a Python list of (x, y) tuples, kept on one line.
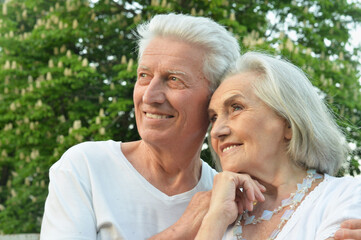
[(169, 71), (177, 72), (143, 67)]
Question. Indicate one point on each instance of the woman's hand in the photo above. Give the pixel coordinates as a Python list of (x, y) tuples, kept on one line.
[(228, 201), (234, 193)]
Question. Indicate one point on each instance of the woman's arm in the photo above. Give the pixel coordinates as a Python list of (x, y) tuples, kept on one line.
[(227, 202)]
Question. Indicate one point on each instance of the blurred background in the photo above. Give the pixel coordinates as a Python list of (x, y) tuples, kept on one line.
[(68, 67)]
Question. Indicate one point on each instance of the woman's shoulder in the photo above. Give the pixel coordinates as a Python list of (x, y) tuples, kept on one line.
[(346, 180), (342, 185)]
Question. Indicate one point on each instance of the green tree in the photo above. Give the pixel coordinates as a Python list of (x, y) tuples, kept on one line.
[(67, 71)]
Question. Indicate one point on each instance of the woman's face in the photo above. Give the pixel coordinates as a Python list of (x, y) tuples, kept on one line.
[(247, 135)]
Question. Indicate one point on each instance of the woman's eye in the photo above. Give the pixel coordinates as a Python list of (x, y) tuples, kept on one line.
[(237, 107), (213, 118), (142, 75)]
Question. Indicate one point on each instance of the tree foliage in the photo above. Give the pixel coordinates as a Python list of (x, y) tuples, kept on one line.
[(67, 71)]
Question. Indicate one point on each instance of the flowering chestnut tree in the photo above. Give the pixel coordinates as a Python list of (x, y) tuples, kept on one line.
[(67, 71)]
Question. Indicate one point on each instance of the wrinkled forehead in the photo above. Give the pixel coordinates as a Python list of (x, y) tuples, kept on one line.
[(240, 84)]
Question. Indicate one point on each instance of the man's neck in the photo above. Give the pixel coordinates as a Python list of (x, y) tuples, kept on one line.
[(172, 171)]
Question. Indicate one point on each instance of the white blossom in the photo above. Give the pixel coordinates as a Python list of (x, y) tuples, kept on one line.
[(85, 62), (97, 120), (51, 63), (101, 112), (34, 153), (39, 103), (123, 60), (76, 124), (75, 24), (7, 64), (68, 54), (48, 76), (130, 64), (5, 9), (33, 199), (12, 106), (102, 131), (24, 14)]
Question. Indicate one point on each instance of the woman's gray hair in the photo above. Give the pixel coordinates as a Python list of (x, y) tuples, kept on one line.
[(221, 47), (317, 141)]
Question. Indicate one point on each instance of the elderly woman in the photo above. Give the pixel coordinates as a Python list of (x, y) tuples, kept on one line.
[(273, 134)]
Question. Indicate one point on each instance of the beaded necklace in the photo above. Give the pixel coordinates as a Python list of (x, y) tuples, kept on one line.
[(292, 202)]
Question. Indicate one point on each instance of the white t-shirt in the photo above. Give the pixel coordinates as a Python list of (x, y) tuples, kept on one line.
[(320, 214), (95, 193)]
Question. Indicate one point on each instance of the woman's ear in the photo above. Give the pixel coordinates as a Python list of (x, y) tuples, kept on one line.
[(288, 130)]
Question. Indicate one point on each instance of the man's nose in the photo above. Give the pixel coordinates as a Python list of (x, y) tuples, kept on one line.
[(155, 92), (220, 129)]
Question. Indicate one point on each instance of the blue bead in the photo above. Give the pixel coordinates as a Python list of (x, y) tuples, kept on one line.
[(237, 230), (249, 220), (267, 215), (288, 213)]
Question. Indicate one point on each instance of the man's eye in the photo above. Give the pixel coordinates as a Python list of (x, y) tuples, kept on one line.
[(142, 75), (176, 83)]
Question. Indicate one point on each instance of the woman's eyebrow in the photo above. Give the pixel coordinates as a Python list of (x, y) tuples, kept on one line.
[(228, 101), (231, 98)]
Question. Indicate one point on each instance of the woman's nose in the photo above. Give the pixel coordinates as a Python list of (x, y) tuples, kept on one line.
[(220, 129), (155, 92)]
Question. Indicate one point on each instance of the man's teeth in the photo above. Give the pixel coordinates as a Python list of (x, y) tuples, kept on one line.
[(229, 148), (156, 116)]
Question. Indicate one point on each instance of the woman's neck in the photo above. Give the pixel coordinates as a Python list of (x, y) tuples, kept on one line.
[(280, 184)]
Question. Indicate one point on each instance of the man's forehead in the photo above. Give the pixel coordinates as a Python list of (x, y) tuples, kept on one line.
[(170, 71)]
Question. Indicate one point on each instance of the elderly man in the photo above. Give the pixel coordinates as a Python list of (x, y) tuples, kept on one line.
[(136, 190)]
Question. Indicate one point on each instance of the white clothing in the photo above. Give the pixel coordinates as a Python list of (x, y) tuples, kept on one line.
[(320, 214), (95, 193)]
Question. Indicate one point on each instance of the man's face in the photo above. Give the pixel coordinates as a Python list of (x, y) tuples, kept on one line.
[(171, 93)]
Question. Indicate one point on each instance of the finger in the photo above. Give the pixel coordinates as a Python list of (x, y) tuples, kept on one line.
[(259, 194), (241, 200), (351, 224), (260, 186), (251, 191), (240, 206), (348, 234), (257, 187), (247, 204), (249, 198)]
